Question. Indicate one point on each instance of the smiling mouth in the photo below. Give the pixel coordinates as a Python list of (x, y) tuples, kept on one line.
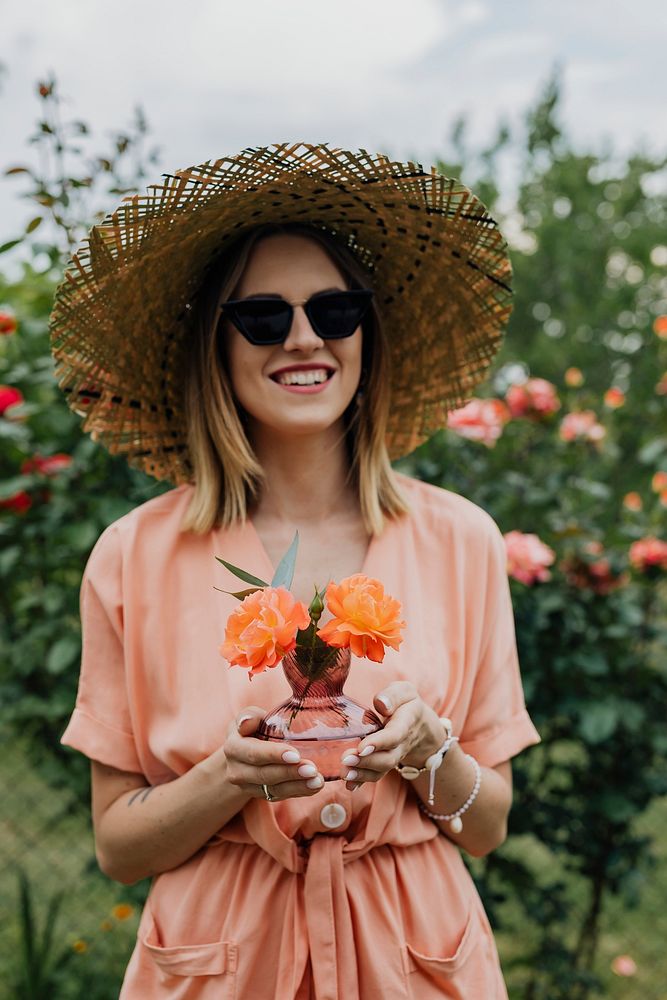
[(306, 381)]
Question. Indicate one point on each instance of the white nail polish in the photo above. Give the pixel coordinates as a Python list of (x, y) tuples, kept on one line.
[(367, 751), (351, 775), (291, 756), (385, 701), (243, 718), (350, 759), (316, 782), (307, 770)]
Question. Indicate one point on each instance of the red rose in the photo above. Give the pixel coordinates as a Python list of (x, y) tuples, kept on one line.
[(9, 396), (8, 322), (19, 502)]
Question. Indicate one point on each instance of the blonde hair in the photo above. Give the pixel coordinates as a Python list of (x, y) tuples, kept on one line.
[(226, 472)]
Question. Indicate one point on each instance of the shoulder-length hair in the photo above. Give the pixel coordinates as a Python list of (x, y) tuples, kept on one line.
[(227, 475)]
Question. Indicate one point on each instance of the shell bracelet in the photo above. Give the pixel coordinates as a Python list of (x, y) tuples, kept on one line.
[(455, 817)]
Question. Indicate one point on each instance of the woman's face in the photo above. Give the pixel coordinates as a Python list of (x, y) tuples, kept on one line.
[(294, 267)]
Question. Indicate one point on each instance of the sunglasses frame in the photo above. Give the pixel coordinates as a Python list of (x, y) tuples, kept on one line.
[(362, 294)]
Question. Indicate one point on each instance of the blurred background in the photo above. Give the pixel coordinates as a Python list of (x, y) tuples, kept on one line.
[(555, 117)]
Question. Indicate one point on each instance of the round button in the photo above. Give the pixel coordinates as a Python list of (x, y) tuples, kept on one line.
[(333, 815)]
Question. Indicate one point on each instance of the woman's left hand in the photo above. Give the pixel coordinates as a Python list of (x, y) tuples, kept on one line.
[(412, 733)]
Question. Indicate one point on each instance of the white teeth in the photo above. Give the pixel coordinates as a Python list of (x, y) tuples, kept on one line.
[(303, 378)]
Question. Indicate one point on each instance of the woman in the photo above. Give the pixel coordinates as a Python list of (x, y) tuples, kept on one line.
[(354, 888)]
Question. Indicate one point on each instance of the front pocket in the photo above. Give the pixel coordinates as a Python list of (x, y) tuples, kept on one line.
[(210, 959), (467, 973)]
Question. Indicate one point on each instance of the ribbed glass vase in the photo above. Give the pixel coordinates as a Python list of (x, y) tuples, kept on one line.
[(318, 719)]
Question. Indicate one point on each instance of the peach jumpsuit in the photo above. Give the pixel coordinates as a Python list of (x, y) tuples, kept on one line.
[(344, 895)]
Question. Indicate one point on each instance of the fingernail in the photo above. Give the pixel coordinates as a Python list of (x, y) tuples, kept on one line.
[(243, 718), (291, 756), (315, 782), (308, 771), (350, 759), (354, 787), (384, 700), (351, 775), (367, 751)]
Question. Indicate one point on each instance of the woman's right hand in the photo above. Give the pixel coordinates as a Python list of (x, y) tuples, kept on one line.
[(251, 762)]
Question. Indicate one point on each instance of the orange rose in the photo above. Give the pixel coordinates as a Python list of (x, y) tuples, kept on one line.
[(632, 500), (660, 327), (365, 618), (614, 397), (574, 377), (659, 481), (263, 629)]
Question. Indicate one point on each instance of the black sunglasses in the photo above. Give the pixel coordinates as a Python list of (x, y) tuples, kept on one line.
[(268, 320)]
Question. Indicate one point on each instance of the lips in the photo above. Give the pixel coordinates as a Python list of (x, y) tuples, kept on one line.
[(300, 368)]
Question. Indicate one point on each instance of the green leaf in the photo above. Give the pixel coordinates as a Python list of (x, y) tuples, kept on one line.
[(239, 593), (34, 223), (652, 450), (8, 559), (8, 246), (285, 572), (63, 652), (242, 575), (598, 722)]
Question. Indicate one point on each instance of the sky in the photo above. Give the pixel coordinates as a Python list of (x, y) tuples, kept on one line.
[(384, 75)]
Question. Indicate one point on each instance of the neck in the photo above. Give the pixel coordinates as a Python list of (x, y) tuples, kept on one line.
[(305, 477)]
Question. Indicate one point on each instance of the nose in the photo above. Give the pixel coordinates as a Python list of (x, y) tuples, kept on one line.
[(301, 334)]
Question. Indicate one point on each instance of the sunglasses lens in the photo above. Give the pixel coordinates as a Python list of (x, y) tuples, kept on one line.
[(262, 322), (337, 314)]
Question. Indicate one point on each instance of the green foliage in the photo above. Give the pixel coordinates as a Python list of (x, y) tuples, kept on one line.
[(590, 279), (40, 970)]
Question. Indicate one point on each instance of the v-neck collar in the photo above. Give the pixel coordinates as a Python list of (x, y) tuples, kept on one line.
[(259, 547)]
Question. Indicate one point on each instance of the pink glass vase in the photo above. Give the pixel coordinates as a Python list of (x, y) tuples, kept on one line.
[(318, 719)]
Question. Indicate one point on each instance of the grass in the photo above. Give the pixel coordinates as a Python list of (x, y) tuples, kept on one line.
[(57, 853)]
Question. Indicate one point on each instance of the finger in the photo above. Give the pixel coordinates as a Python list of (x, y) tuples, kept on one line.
[(275, 774), (285, 790), (249, 750), (389, 698), (396, 733), (386, 762), (248, 720)]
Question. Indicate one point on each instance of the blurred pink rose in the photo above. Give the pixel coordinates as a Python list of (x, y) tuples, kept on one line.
[(534, 399), (527, 557), (623, 965), (649, 551), (47, 465), (581, 424), (480, 420)]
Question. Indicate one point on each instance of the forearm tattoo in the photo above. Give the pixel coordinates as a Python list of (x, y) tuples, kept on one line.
[(145, 791)]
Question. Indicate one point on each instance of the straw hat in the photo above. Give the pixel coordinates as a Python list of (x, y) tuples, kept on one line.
[(435, 257)]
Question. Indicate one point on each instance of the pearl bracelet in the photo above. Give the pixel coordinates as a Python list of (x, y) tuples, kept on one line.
[(455, 821)]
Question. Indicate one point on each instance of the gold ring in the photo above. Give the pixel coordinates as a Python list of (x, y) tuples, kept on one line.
[(267, 794)]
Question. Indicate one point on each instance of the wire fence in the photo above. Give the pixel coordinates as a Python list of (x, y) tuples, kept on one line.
[(42, 832)]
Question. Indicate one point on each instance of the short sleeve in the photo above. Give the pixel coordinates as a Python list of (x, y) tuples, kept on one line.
[(100, 725), (497, 726)]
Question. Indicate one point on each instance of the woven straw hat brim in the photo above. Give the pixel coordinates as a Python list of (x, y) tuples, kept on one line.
[(434, 255)]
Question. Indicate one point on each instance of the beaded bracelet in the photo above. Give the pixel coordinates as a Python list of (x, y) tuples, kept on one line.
[(455, 821)]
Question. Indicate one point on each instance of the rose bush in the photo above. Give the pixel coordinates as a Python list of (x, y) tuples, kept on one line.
[(566, 447)]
